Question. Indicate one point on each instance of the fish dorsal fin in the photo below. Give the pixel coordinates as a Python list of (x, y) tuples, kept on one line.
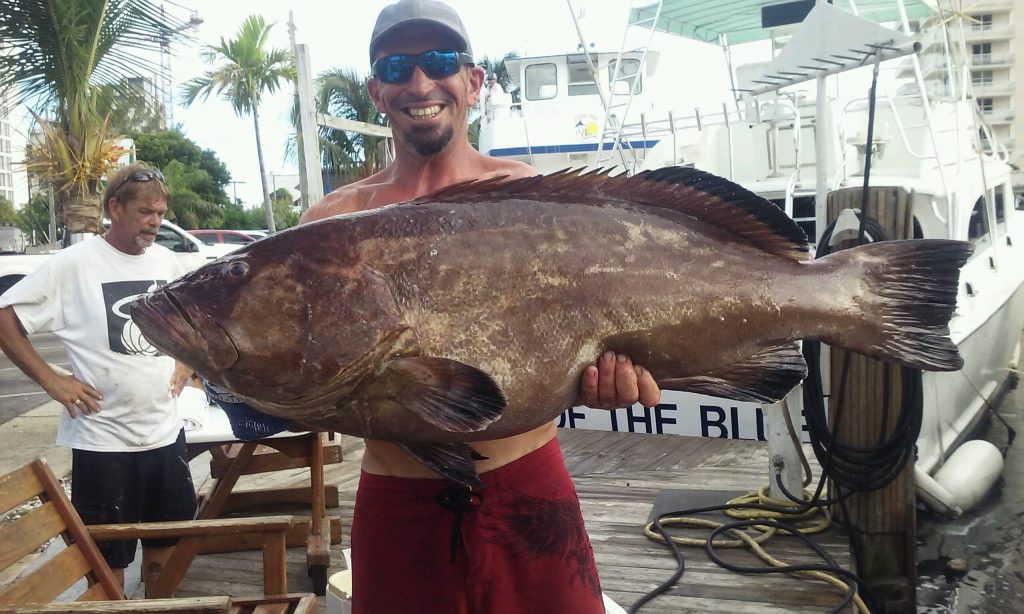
[(711, 199)]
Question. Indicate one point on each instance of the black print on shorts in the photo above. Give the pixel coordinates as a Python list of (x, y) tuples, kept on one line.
[(533, 528), (123, 336)]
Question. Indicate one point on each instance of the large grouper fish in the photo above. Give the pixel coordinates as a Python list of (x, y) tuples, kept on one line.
[(471, 313)]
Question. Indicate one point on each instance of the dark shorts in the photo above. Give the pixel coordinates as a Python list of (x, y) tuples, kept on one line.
[(521, 548), (118, 487)]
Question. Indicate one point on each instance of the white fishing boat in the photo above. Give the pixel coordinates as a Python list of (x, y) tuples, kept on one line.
[(796, 130), (559, 119)]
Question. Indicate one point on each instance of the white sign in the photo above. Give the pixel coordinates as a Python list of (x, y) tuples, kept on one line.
[(680, 413)]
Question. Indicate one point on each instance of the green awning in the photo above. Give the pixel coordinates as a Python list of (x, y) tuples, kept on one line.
[(740, 20)]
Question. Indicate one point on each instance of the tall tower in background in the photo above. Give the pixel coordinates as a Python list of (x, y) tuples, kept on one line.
[(992, 48), (6, 161), (994, 35)]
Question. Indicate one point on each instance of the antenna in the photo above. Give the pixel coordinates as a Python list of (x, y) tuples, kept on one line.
[(166, 80)]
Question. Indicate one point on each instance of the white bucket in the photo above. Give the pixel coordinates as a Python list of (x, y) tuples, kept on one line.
[(339, 588), (339, 600)]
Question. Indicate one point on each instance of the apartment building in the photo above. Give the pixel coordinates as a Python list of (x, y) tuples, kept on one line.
[(6, 161), (986, 36), (994, 37)]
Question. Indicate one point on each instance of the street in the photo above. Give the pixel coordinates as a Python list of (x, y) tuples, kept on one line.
[(18, 393)]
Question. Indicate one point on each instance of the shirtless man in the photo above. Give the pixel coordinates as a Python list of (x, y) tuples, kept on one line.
[(518, 545)]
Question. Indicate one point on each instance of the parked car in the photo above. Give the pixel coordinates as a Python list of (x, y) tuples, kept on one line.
[(227, 237), (256, 234), (192, 252)]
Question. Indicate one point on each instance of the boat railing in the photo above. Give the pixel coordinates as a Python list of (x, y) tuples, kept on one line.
[(783, 111), (901, 127)]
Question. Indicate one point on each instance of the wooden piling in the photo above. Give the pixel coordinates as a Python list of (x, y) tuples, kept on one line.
[(881, 522)]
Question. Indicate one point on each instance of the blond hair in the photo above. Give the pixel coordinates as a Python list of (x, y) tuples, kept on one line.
[(125, 190)]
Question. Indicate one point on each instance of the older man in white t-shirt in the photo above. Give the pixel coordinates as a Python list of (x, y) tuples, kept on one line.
[(128, 449), (495, 100)]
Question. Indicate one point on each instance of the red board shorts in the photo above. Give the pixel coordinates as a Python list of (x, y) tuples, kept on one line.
[(520, 545)]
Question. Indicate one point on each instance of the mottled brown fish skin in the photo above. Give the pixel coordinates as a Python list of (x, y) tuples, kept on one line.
[(528, 290)]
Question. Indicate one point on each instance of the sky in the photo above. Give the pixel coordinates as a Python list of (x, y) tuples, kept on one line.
[(338, 34)]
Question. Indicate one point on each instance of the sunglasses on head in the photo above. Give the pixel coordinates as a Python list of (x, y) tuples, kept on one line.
[(435, 64), (142, 177), (147, 175)]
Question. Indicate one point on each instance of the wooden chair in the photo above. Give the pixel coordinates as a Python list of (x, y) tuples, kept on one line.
[(30, 591), (281, 604)]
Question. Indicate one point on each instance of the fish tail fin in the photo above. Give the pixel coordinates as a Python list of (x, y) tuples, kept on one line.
[(909, 297)]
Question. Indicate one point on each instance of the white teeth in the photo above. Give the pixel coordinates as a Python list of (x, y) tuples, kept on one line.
[(426, 113)]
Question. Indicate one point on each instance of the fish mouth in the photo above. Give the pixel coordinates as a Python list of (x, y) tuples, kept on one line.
[(187, 335)]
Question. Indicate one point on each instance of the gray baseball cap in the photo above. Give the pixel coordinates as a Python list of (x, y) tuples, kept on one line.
[(412, 12)]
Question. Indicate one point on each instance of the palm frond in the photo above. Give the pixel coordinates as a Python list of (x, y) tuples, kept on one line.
[(58, 56), (243, 68), (70, 166), (341, 92), (58, 49)]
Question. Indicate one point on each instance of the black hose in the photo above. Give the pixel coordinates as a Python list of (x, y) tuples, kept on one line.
[(854, 468)]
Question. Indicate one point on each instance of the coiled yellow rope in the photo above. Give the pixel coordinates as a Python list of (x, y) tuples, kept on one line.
[(744, 539)]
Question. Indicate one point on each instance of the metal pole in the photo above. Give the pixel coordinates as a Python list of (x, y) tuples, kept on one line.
[(723, 42), (728, 133), (593, 70), (821, 149), (632, 89), (53, 215), (949, 220), (782, 450), (234, 189), (989, 200), (675, 148), (955, 91)]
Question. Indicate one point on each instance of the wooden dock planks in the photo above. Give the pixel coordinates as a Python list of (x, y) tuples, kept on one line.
[(618, 476)]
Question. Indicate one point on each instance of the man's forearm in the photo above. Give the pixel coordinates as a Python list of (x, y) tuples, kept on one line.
[(19, 349)]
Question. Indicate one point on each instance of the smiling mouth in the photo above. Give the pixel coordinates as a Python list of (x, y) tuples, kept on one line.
[(425, 112)]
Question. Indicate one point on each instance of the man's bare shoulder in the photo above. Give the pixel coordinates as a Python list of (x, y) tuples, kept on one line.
[(513, 169), (346, 199)]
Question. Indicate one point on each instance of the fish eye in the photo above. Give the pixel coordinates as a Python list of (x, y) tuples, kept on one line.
[(238, 270)]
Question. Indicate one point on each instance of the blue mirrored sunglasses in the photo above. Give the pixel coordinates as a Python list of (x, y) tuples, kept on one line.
[(435, 64)]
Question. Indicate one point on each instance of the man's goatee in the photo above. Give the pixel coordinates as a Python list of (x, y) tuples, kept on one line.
[(427, 144)]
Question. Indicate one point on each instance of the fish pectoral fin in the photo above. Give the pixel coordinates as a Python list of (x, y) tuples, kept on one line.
[(453, 461), (447, 393), (764, 377)]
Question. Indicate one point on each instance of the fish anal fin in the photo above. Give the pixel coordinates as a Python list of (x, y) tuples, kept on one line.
[(453, 461), (764, 377), (448, 394), (710, 199)]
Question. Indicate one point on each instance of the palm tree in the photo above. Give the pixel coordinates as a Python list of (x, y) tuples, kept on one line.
[(349, 156), (247, 70), (58, 53)]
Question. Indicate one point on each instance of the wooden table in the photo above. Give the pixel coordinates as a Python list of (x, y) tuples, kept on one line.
[(233, 458)]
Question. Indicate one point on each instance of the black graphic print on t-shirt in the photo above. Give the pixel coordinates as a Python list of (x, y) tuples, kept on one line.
[(123, 335)]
